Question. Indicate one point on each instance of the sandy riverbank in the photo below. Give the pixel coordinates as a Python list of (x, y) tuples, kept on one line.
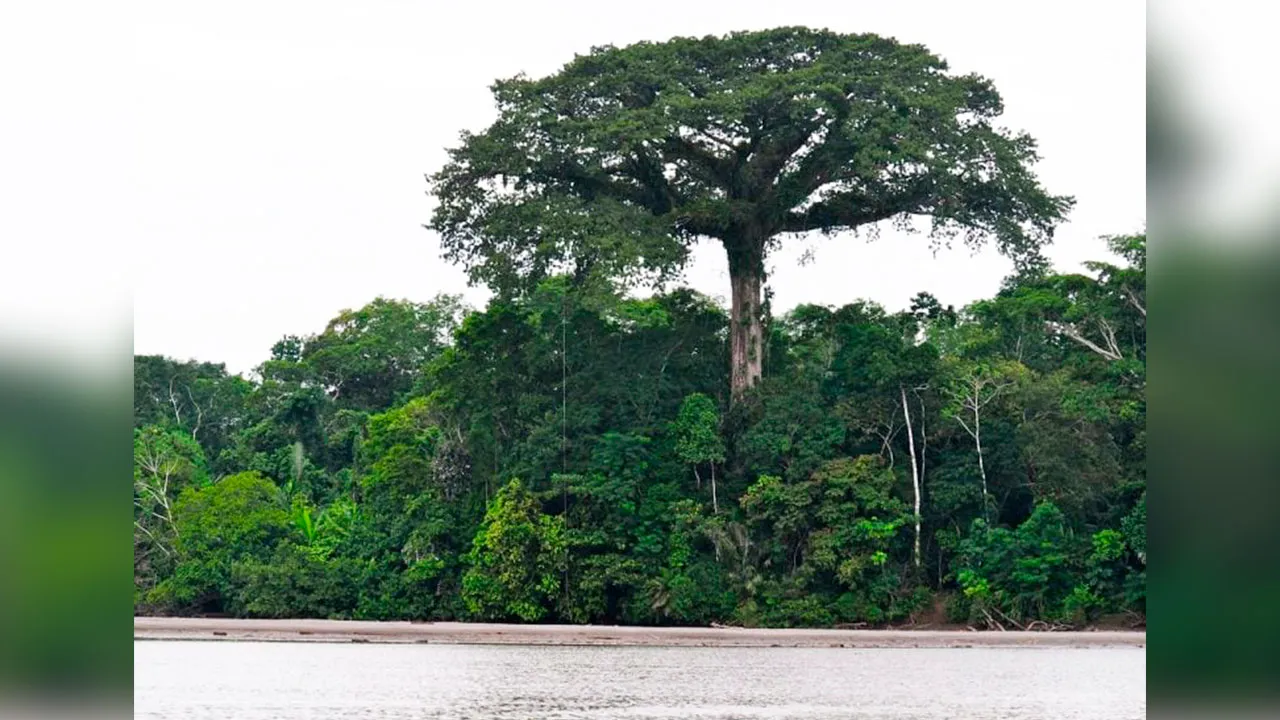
[(447, 633)]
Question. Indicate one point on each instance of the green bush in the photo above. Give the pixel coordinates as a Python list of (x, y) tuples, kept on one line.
[(295, 582), (516, 561), (1019, 575), (239, 519)]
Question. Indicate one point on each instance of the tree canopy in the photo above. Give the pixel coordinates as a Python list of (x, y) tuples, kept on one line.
[(614, 166)]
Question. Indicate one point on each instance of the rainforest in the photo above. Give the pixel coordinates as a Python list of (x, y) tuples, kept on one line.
[(573, 456)]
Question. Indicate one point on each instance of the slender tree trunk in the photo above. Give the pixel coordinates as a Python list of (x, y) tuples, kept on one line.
[(715, 506), (924, 440), (982, 467), (915, 471), (746, 332)]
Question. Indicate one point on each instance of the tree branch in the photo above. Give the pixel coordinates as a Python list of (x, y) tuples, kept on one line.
[(1133, 300), (175, 401), (156, 541), (1073, 333), (960, 419), (845, 211), (718, 171), (199, 414), (771, 161)]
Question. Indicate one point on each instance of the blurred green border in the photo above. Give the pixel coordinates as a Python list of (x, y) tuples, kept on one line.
[(65, 530)]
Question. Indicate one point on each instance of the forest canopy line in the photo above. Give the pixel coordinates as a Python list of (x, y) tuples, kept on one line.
[(572, 453)]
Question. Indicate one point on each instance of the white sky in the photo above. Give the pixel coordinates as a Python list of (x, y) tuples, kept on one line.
[(270, 155)]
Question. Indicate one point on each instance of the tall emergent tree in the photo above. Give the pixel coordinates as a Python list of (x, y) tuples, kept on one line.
[(624, 159)]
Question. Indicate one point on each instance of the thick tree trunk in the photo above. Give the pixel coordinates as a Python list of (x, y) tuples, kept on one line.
[(746, 332)]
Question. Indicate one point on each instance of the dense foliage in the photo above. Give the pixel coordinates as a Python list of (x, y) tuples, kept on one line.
[(570, 455)]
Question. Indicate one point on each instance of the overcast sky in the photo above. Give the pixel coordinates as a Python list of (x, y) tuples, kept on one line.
[(279, 147)]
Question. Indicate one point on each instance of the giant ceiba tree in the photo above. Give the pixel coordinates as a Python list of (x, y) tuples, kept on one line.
[(619, 163)]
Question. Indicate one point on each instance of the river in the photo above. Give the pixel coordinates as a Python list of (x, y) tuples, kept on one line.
[(287, 681)]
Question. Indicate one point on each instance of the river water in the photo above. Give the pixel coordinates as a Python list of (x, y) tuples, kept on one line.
[(288, 681)]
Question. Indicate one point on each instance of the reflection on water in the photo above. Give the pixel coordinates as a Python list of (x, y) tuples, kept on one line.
[(251, 681)]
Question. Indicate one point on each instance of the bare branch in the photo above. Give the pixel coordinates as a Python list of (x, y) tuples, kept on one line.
[(156, 541), (1133, 300), (199, 414), (175, 401), (1109, 335), (960, 419), (1072, 332)]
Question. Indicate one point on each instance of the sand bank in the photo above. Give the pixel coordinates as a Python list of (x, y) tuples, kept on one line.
[(448, 633)]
